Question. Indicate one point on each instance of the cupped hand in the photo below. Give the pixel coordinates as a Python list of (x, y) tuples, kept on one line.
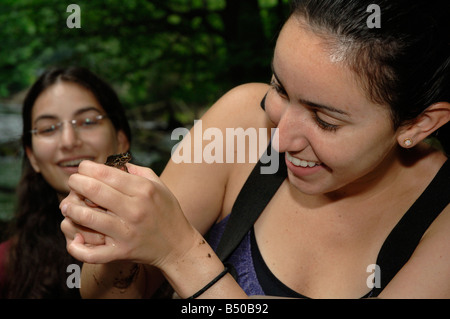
[(142, 221)]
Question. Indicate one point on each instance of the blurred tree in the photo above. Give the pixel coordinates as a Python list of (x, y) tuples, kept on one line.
[(189, 49), (168, 59)]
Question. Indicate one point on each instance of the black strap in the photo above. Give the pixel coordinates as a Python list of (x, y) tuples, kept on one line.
[(259, 189), (256, 193), (406, 235)]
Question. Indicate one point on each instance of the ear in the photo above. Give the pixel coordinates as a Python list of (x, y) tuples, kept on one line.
[(425, 124), (123, 144), (32, 159)]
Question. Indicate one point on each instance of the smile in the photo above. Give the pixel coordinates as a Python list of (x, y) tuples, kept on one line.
[(300, 162), (73, 163)]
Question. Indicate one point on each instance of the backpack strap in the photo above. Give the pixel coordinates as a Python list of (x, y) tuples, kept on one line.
[(256, 193)]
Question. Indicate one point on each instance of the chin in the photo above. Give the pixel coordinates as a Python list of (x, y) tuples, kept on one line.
[(62, 189), (314, 188), (308, 188)]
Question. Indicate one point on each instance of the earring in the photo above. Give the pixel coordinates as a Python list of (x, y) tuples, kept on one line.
[(408, 142)]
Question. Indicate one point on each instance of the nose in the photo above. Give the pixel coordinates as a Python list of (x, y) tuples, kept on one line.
[(69, 137), (291, 133)]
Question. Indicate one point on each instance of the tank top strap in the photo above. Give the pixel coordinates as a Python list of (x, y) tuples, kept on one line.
[(256, 193), (406, 235)]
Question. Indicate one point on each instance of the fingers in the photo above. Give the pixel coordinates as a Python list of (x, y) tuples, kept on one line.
[(70, 230), (127, 225), (115, 178), (90, 254), (95, 194), (90, 222), (111, 188)]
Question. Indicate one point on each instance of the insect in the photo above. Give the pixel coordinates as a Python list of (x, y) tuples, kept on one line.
[(119, 161)]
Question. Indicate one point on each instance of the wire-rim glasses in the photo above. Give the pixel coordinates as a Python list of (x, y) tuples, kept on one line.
[(50, 129)]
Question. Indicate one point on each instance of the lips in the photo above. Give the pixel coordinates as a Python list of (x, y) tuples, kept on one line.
[(300, 162), (302, 168), (73, 162)]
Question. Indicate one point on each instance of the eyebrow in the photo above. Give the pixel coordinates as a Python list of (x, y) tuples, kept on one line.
[(309, 103), (78, 112), (323, 107)]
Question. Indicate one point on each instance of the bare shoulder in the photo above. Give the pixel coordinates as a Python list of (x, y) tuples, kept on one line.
[(239, 107), (427, 273), (441, 226), (201, 183)]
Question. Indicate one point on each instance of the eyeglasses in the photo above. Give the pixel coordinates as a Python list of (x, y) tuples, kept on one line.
[(50, 128)]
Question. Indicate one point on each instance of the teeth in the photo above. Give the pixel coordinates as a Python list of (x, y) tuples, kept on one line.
[(73, 162), (299, 162)]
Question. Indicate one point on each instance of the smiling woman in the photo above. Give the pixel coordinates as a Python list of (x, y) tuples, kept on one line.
[(360, 190), (69, 126), (69, 115)]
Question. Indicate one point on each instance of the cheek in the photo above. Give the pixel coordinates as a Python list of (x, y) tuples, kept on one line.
[(42, 153), (361, 150), (105, 144), (44, 158)]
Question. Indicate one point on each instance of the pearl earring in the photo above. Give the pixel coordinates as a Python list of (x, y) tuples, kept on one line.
[(408, 142)]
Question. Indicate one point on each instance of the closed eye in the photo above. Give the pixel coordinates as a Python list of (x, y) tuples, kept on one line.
[(279, 89), (324, 125), (315, 108)]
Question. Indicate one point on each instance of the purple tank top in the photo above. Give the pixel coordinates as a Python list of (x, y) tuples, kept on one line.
[(241, 259)]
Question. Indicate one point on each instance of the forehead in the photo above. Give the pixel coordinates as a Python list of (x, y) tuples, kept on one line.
[(64, 99), (309, 66)]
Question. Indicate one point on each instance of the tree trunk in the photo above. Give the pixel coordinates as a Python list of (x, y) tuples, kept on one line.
[(248, 49)]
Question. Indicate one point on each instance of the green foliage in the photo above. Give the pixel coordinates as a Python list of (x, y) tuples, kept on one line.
[(150, 50), (169, 60)]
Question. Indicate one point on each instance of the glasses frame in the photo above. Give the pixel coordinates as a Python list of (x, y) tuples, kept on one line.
[(73, 122)]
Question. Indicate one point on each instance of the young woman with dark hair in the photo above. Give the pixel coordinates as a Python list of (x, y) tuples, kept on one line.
[(68, 115), (360, 206)]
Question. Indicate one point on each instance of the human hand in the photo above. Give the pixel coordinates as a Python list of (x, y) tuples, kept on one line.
[(72, 230), (143, 221)]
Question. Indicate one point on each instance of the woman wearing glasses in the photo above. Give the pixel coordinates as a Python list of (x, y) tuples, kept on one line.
[(69, 115)]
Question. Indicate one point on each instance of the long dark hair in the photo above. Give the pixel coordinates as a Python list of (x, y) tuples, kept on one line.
[(404, 64), (38, 259)]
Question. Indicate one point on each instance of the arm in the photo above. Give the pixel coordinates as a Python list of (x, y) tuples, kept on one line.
[(203, 192), (113, 280), (427, 273), (149, 229)]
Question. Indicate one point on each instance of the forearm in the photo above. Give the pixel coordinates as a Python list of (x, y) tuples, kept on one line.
[(196, 269), (119, 280)]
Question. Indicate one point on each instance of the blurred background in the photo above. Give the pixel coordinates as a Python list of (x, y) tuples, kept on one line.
[(168, 60)]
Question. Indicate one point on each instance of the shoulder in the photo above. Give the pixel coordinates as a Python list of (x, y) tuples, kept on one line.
[(241, 118), (240, 107), (246, 92), (427, 273), (440, 229), (199, 173)]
